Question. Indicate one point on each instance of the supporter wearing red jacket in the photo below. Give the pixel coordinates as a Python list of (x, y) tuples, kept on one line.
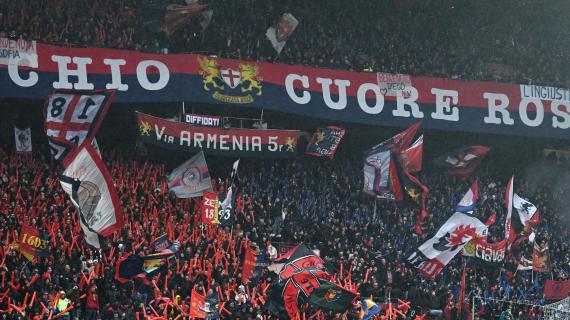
[(92, 303)]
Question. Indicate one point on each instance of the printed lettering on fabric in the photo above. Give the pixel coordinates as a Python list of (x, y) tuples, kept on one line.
[(368, 98)]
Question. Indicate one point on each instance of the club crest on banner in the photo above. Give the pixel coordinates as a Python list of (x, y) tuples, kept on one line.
[(332, 295), (230, 85), (291, 143), (145, 128), (231, 77), (191, 176), (469, 249)]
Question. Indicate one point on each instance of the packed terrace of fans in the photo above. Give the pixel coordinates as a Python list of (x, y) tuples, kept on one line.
[(353, 231), (471, 40)]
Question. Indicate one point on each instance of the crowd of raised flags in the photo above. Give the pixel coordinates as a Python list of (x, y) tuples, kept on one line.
[(390, 171)]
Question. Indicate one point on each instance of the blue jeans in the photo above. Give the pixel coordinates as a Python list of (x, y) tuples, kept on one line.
[(91, 314)]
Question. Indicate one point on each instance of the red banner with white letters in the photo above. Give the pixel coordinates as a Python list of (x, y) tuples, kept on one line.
[(210, 208), (370, 98), (220, 141)]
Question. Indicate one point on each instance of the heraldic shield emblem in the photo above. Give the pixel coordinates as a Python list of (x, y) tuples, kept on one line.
[(229, 85), (192, 177)]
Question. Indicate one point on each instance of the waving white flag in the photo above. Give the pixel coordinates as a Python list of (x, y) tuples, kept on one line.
[(89, 185), (435, 253)]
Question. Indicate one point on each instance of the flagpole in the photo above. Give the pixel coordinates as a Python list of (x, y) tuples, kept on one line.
[(183, 111), (390, 305), (375, 207), (473, 309)]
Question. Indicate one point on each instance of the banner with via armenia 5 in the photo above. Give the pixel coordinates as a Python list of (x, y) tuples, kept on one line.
[(219, 141)]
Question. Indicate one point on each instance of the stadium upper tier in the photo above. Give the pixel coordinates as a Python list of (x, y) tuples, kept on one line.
[(463, 40)]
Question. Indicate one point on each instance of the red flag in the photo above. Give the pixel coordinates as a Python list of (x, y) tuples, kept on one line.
[(556, 290), (248, 264), (197, 305), (540, 258), (416, 192), (461, 291), (491, 220), (30, 243), (210, 208), (463, 162), (401, 141), (177, 15), (411, 158)]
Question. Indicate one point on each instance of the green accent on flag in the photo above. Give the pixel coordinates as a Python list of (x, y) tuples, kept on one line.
[(331, 297)]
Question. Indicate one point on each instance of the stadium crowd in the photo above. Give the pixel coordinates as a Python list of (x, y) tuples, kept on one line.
[(460, 40), (364, 241)]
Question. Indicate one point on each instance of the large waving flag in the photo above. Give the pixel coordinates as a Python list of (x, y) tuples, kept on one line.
[(312, 286), (302, 278), (329, 296), (191, 178), (402, 140), (411, 158), (380, 167), (388, 169), (377, 175), (91, 190), (436, 252), (73, 116), (279, 34), (463, 162), (525, 221), (519, 226), (297, 259), (169, 18), (470, 200), (131, 267)]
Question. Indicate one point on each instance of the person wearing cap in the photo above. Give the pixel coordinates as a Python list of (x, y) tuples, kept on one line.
[(92, 303), (62, 304)]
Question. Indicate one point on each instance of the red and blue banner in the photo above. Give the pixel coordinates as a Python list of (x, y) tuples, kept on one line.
[(219, 141), (325, 141), (335, 95)]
